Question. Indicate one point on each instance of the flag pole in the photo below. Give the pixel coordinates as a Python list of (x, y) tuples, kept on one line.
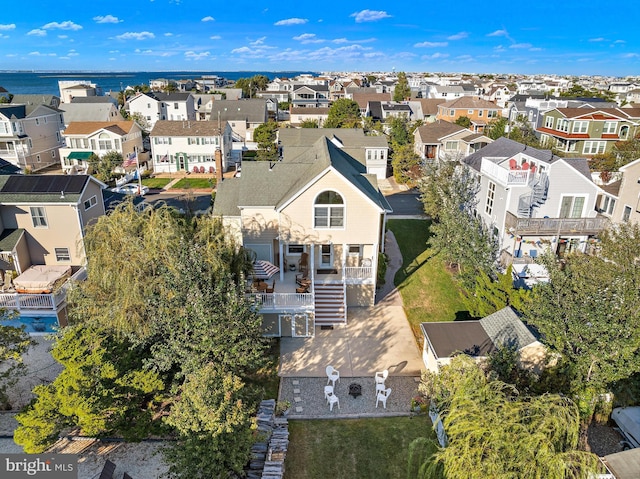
[(135, 150)]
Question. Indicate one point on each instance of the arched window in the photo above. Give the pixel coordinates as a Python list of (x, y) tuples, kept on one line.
[(624, 131), (104, 142), (328, 210)]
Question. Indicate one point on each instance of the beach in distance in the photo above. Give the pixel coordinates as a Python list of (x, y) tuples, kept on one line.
[(46, 83)]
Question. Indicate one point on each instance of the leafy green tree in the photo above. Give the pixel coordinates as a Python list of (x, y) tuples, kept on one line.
[(371, 79), (521, 131), (626, 151), (252, 85), (214, 425), (14, 342), (344, 113), (102, 167), (578, 91), (449, 196), (284, 105), (372, 127), (496, 128), (463, 121), (494, 432), (402, 90), (265, 136), (309, 124), (589, 312), (405, 164), (103, 389), (399, 132), (491, 295)]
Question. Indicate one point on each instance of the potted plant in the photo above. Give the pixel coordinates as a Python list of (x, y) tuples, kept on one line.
[(419, 404), (283, 408)]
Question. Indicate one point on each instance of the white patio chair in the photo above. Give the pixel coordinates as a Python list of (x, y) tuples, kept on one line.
[(380, 387), (332, 375), (333, 399), (381, 376), (382, 397), (328, 391)]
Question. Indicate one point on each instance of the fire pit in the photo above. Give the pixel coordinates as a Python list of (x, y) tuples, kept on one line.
[(355, 390)]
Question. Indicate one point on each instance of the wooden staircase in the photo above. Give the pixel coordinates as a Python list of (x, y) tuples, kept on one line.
[(330, 306)]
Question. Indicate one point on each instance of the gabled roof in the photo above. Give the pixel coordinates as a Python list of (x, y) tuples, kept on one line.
[(430, 105), (250, 110), (593, 113), (505, 328), (312, 87), (88, 112), (186, 128), (362, 99), (467, 103), (581, 165), (89, 127), (34, 99), (506, 148), (273, 185), (42, 188), (432, 133)]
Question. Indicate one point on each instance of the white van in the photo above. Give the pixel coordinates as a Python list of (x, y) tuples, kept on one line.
[(628, 421)]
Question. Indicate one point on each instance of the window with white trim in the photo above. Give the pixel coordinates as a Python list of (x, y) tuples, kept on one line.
[(62, 255), (328, 210), (452, 113), (548, 122), (295, 249), (572, 206), (624, 131), (104, 142), (562, 125), (492, 114), (91, 202), (626, 213), (580, 127), (451, 145), (594, 147), (38, 216), (609, 127), (608, 204), (491, 194), (355, 250)]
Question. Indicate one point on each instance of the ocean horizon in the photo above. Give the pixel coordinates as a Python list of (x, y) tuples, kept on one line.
[(45, 82)]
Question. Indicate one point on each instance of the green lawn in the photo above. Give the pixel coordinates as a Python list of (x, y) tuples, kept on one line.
[(196, 183), (156, 182), (427, 288), (352, 448)]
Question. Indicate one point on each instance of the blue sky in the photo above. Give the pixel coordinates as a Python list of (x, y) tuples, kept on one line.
[(564, 37)]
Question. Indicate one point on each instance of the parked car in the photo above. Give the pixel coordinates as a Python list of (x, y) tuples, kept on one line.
[(131, 189), (628, 421)]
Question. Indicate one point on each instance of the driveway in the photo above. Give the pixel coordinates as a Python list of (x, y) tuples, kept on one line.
[(373, 339)]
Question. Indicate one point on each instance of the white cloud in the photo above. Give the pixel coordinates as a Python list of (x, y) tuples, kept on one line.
[(308, 38), (458, 36), (72, 53), (521, 45), (38, 32), (215, 37), (435, 56), (136, 36), (619, 41), (67, 25), (107, 19), (499, 33), (631, 55), (111, 52), (208, 18), (369, 15), (168, 34), (8, 26), (38, 54), (196, 56), (430, 44), (535, 49), (63, 37), (3, 36), (258, 42), (241, 50), (599, 39), (291, 21)]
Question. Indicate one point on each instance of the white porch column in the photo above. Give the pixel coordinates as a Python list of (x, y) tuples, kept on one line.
[(383, 230), (282, 264), (312, 262)]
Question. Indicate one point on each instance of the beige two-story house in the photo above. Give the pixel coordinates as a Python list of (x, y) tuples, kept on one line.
[(320, 219)]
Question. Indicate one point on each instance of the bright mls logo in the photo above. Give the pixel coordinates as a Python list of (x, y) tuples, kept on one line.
[(49, 466)]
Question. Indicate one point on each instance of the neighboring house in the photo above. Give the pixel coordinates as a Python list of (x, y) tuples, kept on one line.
[(299, 115), (444, 340), (244, 116), (499, 94), (396, 110), (363, 100), (35, 99), (588, 131), (621, 201), (446, 141), (479, 111), (310, 96), (371, 151), (72, 89), (425, 109), (535, 200), (191, 146), (446, 92), (44, 220), (155, 106), (84, 138), (85, 111), (30, 135), (320, 211)]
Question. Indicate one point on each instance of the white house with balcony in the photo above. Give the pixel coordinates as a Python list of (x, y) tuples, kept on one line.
[(320, 218), (30, 135), (535, 200), (157, 106), (84, 138)]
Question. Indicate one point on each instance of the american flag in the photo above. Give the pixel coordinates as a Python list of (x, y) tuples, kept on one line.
[(130, 160)]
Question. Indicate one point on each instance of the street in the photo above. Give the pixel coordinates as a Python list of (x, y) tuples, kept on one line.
[(406, 204), (189, 201)]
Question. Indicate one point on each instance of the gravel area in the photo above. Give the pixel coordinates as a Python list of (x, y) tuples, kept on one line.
[(603, 440), (314, 406)]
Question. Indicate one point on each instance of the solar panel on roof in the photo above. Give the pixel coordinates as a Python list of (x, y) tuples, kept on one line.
[(44, 184)]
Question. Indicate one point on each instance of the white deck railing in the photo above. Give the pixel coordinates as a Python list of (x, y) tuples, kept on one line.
[(277, 301), (504, 176), (362, 272)]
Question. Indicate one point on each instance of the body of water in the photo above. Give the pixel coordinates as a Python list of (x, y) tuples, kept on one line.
[(46, 83)]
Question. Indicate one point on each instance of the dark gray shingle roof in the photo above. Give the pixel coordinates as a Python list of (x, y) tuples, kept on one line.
[(505, 148)]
